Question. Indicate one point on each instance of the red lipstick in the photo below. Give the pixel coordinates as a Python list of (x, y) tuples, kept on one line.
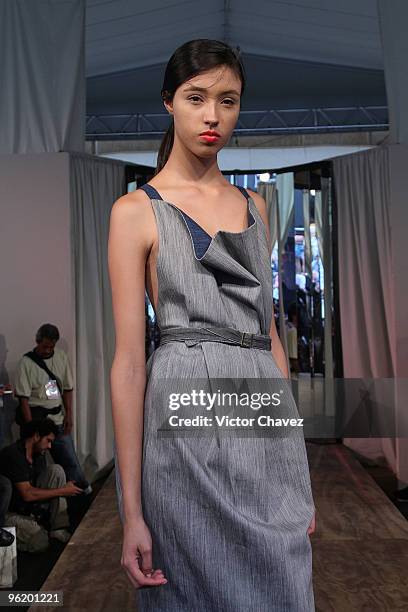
[(210, 136)]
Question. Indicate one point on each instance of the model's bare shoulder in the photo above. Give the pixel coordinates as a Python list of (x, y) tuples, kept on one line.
[(131, 235), (262, 209), (260, 204), (133, 216)]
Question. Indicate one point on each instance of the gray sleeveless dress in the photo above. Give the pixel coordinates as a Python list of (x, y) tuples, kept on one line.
[(228, 515)]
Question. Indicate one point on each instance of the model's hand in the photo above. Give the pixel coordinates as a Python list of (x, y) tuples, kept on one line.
[(137, 556), (312, 525)]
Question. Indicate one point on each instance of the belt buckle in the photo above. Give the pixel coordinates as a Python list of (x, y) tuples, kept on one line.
[(244, 342)]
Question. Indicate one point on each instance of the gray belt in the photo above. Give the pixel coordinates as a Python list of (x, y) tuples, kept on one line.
[(227, 335)]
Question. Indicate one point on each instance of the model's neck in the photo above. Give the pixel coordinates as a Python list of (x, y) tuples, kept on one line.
[(184, 167)]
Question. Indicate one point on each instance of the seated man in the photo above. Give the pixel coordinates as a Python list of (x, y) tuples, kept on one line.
[(6, 538), (44, 386), (38, 503)]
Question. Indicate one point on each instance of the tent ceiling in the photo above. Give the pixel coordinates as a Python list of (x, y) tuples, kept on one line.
[(127, 34), (297, 54)]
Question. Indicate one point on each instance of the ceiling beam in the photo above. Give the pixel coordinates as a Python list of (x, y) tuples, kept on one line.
[(262, 122)]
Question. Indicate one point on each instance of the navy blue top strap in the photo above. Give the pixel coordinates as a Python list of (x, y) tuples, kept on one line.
[(243, 190), (151, 192)]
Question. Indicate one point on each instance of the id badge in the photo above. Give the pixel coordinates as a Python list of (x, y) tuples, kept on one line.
[(51, 390)]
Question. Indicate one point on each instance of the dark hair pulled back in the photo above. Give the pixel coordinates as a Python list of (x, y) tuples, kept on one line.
[(189, 60)]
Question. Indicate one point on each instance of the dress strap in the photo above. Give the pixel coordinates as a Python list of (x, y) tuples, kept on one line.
[(243, 190), (151, 192)]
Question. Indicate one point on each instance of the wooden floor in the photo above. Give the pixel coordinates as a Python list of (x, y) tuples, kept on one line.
[(360, 546)]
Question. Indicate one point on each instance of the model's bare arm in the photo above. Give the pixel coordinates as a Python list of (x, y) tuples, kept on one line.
[(128, 248), (131, 236), (277, 348)]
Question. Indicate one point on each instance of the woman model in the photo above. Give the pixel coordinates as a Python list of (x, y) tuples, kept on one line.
[(210, 523)]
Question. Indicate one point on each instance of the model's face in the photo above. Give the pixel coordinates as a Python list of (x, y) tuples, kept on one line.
[(209, 101)]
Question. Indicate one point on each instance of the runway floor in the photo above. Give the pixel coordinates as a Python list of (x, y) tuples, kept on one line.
[(360, 546)]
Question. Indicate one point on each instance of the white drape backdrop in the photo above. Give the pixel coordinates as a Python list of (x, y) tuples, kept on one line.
[(95, 184), (285, 186), (268, 192), (367, 309), (42, 101), (319, 223), (308, 238), (280, 199), (323, 232)]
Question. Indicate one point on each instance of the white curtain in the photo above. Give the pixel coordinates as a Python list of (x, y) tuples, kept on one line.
[(367, 309), (268, 192), (308, 239), (280, 207), (326, 246), (95, 184), (324, 241), (42, 52), (319, 223), (286, 205)]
